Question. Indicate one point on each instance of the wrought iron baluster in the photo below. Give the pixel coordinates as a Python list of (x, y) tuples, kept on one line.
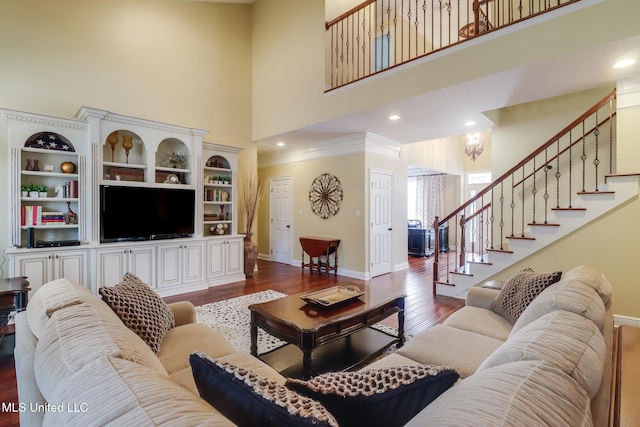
[(596, 161), (558, 175), (534, 190), (522, 215), (584, 158), (513, 207), (501, 215), (546, 188)]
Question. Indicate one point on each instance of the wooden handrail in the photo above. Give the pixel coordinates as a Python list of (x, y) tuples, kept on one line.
[(478, 212), (564, 150), (348, 13), (539, 150)]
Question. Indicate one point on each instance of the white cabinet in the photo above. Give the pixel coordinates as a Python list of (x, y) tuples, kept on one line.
[(225, 261), (113, 263), (180, 264), (44, 266)]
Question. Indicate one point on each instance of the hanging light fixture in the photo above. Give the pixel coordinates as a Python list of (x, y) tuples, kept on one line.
[(474, 144)]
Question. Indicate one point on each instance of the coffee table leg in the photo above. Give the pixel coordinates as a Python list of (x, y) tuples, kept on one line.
[(307, 358), (254, 335), (401, 326)]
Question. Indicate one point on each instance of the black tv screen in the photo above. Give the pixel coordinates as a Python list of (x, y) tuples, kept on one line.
[(138, 213)]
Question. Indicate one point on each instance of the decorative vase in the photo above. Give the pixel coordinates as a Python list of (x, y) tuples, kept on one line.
[(68, 167), (250, 255), (127, 144), (29, 166), (36, 164)]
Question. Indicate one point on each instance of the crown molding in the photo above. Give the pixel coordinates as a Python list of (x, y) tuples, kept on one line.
[(43, 119), (85, 113), (361, 142)]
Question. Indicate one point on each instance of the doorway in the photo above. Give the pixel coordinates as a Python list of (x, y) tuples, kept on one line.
[(381, 222), (281, 204)]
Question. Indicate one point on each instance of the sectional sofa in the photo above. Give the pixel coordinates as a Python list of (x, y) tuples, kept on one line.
[(78, 364)]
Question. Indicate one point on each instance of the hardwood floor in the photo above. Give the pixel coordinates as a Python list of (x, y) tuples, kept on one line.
[(421, 309)]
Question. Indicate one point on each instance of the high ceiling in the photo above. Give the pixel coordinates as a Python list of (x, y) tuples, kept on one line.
[(450, 108)]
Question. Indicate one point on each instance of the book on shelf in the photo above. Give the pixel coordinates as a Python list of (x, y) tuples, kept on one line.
[(32, 216)]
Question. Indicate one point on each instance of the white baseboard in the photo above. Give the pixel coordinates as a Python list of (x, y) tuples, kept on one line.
[(626, 320)]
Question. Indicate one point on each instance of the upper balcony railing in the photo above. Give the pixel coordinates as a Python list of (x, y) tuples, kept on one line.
[(381, 34)]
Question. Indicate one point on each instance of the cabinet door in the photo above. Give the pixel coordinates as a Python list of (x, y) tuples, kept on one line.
[(193, 262), (235, 256), (141, 261), (111, 266), (36, 268), (215, 258), (169, 266), (71, 265)]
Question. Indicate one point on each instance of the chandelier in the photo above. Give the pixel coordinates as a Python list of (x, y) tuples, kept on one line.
[(474, 144)]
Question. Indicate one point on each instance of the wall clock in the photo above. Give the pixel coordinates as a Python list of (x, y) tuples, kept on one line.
[(325, 195)]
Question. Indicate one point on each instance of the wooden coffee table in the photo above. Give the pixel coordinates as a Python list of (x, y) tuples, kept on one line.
[(338, 337)]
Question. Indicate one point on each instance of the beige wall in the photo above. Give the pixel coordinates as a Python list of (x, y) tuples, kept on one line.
[(185, 63), (349, 169)]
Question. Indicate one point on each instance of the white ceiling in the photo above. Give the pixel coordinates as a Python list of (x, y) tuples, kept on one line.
[(443, 113)]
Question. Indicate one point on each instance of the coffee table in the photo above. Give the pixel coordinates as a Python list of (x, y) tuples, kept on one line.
[(341, 335)]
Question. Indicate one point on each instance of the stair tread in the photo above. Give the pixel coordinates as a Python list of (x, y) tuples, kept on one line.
[(444, 283), (596, 192), (568, 209), (461, 273), (506, 251), (521, 237), (544, 224)]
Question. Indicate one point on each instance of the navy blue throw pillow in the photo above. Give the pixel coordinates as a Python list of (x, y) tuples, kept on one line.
[(377, 397), (248, 400)]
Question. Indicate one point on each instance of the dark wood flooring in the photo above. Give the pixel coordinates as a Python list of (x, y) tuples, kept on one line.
[(421, 309)]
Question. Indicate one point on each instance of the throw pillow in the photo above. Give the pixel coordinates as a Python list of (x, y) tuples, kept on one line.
[(385, 397), (248, 400), (518, 292), (140, 309)]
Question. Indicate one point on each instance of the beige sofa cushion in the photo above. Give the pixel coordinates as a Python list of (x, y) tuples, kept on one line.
[(566, 340), (444, 345), (565, 295), (593, 278), (181, 341), (76, 336), (53, 296), (525, 393), (481, 321), (129, 395)]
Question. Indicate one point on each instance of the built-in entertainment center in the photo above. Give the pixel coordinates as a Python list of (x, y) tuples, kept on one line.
[(102, 194)]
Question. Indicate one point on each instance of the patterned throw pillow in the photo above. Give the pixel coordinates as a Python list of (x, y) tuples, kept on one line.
[(248, 400), (377, 397), (140, 309), (518, 292)]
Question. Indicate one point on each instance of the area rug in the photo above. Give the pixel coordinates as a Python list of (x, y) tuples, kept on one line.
[(232, 319)]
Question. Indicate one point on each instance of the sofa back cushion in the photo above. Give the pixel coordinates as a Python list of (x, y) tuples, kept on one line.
[(566, 340), (565, 295), (53, 296), (76, 336), (593, 278), (524, 393)]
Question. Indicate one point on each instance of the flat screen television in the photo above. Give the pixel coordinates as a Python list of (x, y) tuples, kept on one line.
[(139, 213)]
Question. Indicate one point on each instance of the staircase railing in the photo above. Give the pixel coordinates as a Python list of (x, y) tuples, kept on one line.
[(378, 35), (575, 161)]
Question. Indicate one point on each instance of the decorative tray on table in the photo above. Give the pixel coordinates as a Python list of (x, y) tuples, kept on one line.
[(332, 296)]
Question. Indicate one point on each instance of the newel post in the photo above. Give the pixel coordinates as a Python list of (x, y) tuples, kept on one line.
[(436, 253)]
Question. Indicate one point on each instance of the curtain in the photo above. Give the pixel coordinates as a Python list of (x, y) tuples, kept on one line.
[(429, 199)]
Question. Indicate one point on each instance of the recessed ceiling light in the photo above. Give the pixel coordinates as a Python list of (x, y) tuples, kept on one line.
[(280, 144), (624, 63), (394, 117), (470, 123)]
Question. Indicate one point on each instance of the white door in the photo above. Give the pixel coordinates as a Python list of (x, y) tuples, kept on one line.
[(381, 224), (281, 205)]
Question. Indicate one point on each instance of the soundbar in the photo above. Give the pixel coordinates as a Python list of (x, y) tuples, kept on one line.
[(56, 243)]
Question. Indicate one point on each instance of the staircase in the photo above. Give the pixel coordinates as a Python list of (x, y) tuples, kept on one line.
[(559, 188)]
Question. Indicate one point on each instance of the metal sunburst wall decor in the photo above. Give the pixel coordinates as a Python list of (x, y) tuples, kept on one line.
[(325, 195)]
